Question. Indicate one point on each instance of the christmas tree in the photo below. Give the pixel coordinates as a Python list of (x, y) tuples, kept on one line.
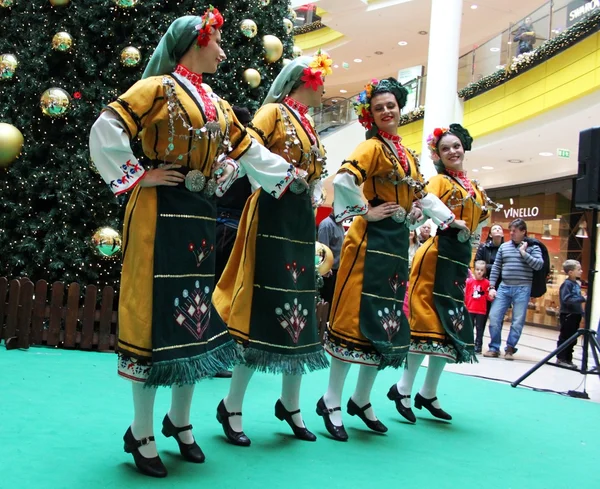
[(58, 219)]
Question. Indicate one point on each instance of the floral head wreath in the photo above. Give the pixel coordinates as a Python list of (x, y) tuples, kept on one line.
[(320, 66), (459, 131), (212, 19), (362, 103)]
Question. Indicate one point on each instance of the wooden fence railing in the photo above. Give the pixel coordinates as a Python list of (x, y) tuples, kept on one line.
[(32, 315), (29, 316)]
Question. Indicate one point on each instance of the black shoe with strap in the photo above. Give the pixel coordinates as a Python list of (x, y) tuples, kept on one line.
[(238, 438), (148, 466), (283, 414), (420, 401), (354, 410), (189, 451), (394, 395), (337, 432)]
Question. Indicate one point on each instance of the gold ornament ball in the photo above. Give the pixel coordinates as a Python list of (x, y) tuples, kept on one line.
[(273, 48), (6, 3), (289, 26), (8, 66), (296, 51), (11, 144), (323, 258), (286, 61), (264, 3), (292, 14), (107, 242), (60, 3), (130, 57), (55, 102), (126, 3), (252, 77), (62, 41), (249, 28)]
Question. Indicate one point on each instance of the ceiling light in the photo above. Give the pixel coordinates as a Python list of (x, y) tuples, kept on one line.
[(515, 160), (358, 60), (423, 33), (473, 7), (509, 42), (475, 170), (546, 153), (487, 167), (336, 66), (494, 50), (402, 43), (343, 91)]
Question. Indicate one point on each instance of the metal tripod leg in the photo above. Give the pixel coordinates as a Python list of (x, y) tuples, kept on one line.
[(560, 349)]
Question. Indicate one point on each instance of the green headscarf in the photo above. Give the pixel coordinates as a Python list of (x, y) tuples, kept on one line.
[(177, 40), (287, 78)]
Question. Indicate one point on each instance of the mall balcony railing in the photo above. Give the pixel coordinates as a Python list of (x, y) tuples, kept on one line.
[(336, 112), (547, 22)]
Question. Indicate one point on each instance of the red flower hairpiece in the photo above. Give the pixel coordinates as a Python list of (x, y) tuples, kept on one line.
[(212, 19), (312, 79)]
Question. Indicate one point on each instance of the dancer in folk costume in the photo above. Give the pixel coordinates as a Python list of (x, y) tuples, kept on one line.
[(367, 326), (267, 292), (166, 337), (439, 322)]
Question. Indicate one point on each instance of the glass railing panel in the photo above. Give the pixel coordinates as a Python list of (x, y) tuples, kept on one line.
[(465, 70)]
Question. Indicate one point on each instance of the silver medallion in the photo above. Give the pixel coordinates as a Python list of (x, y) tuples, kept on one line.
[(464, 236), (299, 186), (400, 215), (211, 187), (195, 181)]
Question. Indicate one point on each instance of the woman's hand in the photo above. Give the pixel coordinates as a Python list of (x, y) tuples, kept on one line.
[(228, 166), (415, 214), (164, 175), (381, 211)]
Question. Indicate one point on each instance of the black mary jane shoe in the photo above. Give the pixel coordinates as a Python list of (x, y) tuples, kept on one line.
[(283, 414), (406, 412), (354, 410), (337, 432), (189, 451), (420, 401), (148, 466), (238, 438)]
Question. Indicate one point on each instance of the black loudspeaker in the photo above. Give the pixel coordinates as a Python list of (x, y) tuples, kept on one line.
[(587, 185)]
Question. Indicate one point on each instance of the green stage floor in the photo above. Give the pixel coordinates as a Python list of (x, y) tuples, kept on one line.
[(64, 414)]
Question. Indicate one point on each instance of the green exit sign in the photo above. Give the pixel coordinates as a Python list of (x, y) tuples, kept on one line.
[(563, 153)]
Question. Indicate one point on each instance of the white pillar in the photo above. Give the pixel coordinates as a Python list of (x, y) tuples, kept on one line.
[(441, 99)]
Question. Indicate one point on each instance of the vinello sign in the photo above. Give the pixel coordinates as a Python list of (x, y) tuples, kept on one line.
[(521, 212)]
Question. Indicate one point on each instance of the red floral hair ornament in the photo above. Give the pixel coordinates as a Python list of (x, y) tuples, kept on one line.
[(212, 19), (312, 79)]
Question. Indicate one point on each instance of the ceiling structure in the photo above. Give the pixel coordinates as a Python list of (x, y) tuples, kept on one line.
[(377, 26)]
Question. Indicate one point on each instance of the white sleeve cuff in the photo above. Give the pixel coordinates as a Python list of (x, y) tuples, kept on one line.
[(435, 209), (348, 200), (111, 153)]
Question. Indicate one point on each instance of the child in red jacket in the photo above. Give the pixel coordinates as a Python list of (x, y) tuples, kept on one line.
[(476, 297)]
